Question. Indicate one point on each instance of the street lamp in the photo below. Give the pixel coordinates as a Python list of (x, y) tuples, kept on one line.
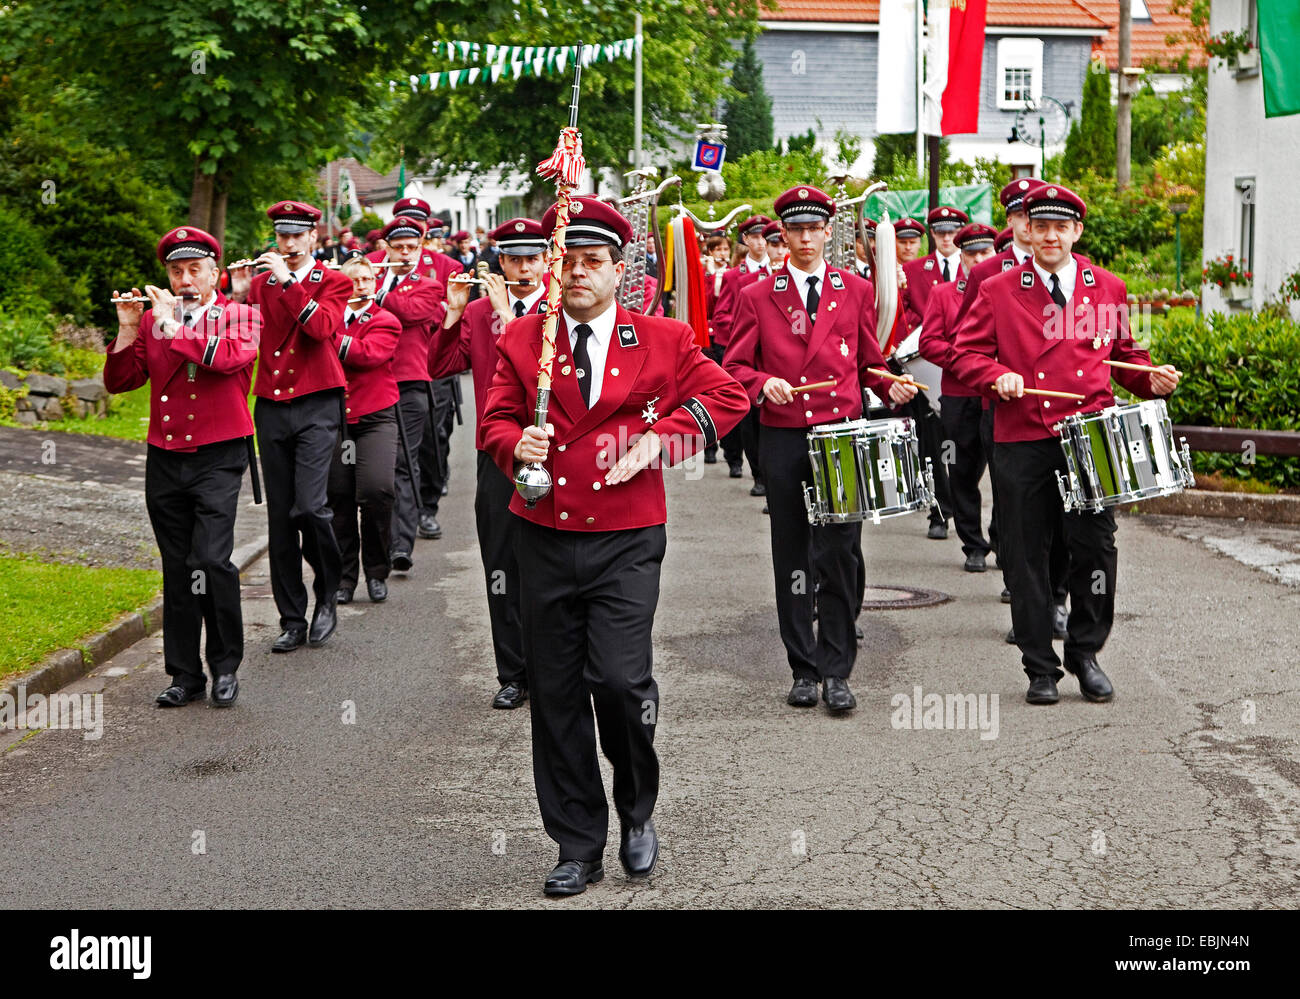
[(1179, 208)]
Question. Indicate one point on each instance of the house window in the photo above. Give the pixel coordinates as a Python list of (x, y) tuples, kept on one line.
[(1020, 72), (1019, 170), (1138, 8), (1246, 195)]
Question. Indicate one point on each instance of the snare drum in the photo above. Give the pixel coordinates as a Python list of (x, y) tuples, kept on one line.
[(866, 470), (1121, 455), (908, 356)]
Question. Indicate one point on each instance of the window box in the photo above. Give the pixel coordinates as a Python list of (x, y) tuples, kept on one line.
[(1239, 293), (1246, 63)]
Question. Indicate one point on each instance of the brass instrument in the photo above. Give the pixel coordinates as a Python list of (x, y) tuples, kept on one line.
[(641, 209)]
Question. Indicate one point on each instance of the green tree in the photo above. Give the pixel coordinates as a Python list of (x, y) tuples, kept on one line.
[(749, 115), (1091, 142), (512, 124)]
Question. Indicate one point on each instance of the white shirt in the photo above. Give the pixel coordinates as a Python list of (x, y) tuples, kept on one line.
[(602, 330), (191, 312), (954, 263), (1021, 253), (349, 312), (529, 300), (801, 279), (752, 265), (300, 275), (1066, 275), (862, 265)]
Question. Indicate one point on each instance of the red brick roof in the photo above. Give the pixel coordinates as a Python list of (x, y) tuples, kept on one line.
[(1150, 38), (369, 185), (1002, 13)]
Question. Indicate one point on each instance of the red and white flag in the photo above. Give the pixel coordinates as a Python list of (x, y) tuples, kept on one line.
[(953, 58)]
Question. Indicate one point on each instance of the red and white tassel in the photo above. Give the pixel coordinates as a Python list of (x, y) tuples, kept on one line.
[(565, 165)]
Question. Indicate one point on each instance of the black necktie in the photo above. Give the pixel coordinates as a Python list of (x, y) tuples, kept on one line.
[(814, 299), (188, 319), (519, 307), (582, 361), (351, 319), (946, 275), (1058, 296)]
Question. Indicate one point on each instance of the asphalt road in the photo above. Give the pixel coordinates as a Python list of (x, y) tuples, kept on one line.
[(1183, 792)]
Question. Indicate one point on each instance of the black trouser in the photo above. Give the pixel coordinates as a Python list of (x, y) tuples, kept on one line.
[(296, 441), (588, 605), (986, 442), (497, 528), (192, 500), (1030, 514), (749, 437), (361, 477), (929, 437), (435, 449), (730, 441), (960, 416), (803, 555), (412, 410)]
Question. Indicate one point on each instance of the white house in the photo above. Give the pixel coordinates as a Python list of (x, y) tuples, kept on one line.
[(1250, 171)]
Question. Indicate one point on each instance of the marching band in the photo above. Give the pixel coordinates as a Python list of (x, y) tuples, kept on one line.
[(354, 371)]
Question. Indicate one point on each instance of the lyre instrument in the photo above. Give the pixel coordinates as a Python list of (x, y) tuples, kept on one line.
[(641, 209)]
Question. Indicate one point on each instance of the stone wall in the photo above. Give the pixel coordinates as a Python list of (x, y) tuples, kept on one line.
[(52, 398)]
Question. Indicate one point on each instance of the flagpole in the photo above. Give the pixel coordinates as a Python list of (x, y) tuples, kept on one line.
[(920, 90), (636, 99)]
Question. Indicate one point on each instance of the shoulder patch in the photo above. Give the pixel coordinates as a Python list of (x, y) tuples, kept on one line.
[(627, 336), (1027, 279), (961, 285), (836, 281), (1008, 264), (541, 307), (929, 263), (214, 313), (413, 277), (1088, 279), (365, 317), (271, 279), (316, 276), (781, 283)]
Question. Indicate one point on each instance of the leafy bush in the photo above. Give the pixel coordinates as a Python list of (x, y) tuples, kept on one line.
[(39, 343), (1117, 221), (365, 223), (1238, 371)]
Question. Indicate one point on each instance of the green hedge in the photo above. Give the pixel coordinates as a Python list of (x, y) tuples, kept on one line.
[(1238, 371)]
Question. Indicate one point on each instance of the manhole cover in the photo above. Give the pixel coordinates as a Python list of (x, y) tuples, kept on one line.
[(901, 598)]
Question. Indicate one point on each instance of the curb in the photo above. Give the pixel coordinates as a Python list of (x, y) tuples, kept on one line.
[(62, 667), (1268, 508)]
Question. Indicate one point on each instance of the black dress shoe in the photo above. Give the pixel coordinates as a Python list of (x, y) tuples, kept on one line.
[(571, 877), (975, 562), (511, 696), (735, 472), (710, 459), (290, 640), (1042, 690), (1093, 683), (1006, 595), (803, 694), (858, 633), (444, 489), (343, 597), (429, 528), (639, 850), (937, 532), (1060, 622), (1011, 636), (766, 510), (323, 623), (225, 689), (377, 589), (758, 489), (401, 561), (176, 695), (836, 694)]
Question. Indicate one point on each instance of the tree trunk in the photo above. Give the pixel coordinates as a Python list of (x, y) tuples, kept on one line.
[(201, 198), (220, 196)]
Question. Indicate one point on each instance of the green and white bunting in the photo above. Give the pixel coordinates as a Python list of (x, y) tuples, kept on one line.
[(513, 61)]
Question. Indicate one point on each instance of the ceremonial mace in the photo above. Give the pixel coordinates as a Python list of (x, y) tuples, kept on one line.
[(565, 167)]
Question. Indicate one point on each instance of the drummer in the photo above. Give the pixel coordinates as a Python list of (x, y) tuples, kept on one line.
[(809, 324), (1049, 324)]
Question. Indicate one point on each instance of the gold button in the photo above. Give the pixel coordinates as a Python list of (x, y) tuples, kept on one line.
[(591, 520), (595, 485), (190, 417), (802, 380), (836, 409), (188, 437), (291, 390), (832, 395), (560, 481), (193, 396), (613, 371), (1041, 375), (166, 418), (291, 371), (806, 397), (276, 372), (349, 409), (562, 447), (162, 398), (277, 391), (1046, 404), (169, 436), (808, 413), (290, 350), (1079, 372), (564, 516), (277, 353)]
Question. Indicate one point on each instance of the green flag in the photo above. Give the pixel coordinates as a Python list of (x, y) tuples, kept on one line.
[(401, 175), (1279, 37)]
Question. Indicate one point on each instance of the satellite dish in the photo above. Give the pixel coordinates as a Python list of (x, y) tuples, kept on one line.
[(1043, 124)]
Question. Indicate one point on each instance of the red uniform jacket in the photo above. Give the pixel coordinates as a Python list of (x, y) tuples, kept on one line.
[(429, 264), (190, 408), (936, 334), (298, 323), (419, 303), (366, 350), (996, 264), (923, 274), (771, 339), (471, 342), (734, 281), (1015, 326), (655, 376)]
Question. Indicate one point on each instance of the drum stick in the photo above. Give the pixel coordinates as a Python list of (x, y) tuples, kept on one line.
[(909, 380), (829, 383), (1055, 395), (1131, 367)]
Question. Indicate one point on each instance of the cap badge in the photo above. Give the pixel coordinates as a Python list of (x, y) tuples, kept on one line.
[(943, 212), (1051, 192), (1024, 185), (519, 227), (576, 208), (181, 234), (803, 192)]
